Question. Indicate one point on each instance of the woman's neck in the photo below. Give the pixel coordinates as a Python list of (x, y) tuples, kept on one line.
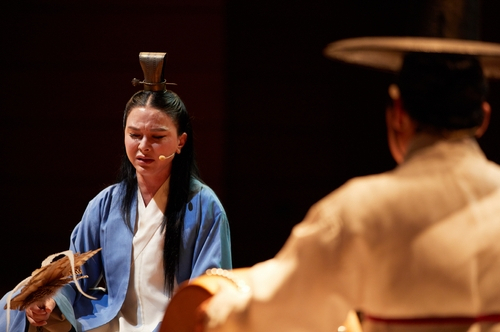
[(149, 186)]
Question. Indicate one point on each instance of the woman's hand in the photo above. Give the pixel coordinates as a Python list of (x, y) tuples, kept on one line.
[(39, 312)]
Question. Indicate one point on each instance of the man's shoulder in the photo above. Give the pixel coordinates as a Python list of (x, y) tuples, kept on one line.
[(364, 185), (358, 193)]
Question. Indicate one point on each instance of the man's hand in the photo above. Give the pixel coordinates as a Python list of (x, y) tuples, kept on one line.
[(201, 317)]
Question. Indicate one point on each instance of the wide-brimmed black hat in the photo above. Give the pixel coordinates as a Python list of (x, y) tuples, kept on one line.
[(447, 26)]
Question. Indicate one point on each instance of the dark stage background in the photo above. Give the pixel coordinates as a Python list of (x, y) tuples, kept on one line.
[(277, 125)]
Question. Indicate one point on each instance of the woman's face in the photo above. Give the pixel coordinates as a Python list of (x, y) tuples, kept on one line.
[(149, 134)]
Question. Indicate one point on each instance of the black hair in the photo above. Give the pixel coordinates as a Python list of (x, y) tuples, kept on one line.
[(443, 91), (184, 168)]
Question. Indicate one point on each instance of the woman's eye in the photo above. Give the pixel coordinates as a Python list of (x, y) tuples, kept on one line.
[(158, 137), (134, 135)]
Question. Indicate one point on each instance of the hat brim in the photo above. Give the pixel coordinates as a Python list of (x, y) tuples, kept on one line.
[(386, 53)]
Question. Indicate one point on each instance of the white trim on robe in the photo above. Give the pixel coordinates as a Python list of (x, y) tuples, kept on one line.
[(146, 297)]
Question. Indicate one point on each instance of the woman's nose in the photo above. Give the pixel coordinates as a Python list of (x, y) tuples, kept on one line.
[(144, 144)]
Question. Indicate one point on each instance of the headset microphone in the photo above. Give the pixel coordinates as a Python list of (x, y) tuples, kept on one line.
[(162, 157)]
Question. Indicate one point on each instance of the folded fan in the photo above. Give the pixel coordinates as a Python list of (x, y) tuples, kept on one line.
[(57, 270)]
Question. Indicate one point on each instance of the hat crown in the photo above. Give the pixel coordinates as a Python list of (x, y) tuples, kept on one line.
[(152, 64), (457, 19), (431, 26)]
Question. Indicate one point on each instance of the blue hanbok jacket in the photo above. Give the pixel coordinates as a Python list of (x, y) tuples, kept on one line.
[(205, 244)]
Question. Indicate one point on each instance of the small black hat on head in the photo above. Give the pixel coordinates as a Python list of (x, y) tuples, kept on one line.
[(152, 64)]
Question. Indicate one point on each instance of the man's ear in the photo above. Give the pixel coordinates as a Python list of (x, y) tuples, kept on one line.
[(486, 120), (393, 135), (396, 116), (400, 127)]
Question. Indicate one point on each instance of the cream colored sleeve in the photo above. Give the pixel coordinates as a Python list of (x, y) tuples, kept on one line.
[(308, 286)]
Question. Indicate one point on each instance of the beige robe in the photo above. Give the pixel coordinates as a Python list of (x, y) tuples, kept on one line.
[(422, 240)]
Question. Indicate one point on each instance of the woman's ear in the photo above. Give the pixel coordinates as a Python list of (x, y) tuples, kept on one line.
[(181, 141), (486, 120)]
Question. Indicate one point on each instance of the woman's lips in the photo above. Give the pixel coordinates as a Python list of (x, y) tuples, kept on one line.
[(144, 160)]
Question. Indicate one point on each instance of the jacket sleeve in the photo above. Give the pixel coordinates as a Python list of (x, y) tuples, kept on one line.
[(17, 318), (213, 245), (308, 280), (85, 237), (82, 241), (206, 239)]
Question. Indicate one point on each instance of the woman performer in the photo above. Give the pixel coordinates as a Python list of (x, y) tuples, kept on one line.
[(158, 226)]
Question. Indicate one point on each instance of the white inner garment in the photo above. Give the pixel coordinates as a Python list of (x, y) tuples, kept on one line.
[(146, 300)]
